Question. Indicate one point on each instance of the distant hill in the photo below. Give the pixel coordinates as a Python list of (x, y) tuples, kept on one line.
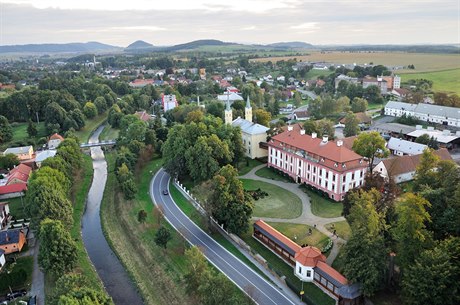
[(441, 48), (197, 44), (291, 45), (139, 44), (76, 47)]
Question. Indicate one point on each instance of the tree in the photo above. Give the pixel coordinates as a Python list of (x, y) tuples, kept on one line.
[(358, 105), (196, 268), (351, 125), (310, 127), (425, 173), (8, 161), (129, 189), (423, 139), (142, 216), (6, 132), (262, 117), (365, 254), (297, 99), (90, 110), (434, 276), (315, 107), (370, 145), (58, 251), (101, 104), (228, 202), (32, 129), (325, 127), (410, 231), (162, 237)]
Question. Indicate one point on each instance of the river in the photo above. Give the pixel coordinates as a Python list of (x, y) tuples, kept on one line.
[(112, 273)]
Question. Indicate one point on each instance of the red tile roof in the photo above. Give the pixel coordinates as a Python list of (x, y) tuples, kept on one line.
[(332, 272), (13, 188), (315, 146), (278, 235), (20, 172), (310, 256), (56, 136)]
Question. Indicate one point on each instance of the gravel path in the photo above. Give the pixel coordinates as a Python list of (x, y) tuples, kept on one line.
[(307, 216)]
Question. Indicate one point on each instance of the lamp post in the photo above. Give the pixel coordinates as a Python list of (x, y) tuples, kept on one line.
[(301, 292)]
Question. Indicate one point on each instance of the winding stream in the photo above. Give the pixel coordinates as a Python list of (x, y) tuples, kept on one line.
[(112, 273)]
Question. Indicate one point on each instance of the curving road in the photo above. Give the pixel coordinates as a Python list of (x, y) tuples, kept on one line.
[(244, 277)]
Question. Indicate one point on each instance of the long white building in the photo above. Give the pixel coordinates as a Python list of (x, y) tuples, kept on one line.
[(425, 112)]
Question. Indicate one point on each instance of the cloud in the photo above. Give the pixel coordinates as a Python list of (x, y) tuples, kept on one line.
[(306, 26)]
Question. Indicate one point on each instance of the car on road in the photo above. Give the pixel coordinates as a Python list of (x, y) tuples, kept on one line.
[(16, 294), (165, 192)]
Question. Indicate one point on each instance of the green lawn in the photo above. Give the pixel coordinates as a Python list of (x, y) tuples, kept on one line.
[(279, 203), (323, 207), (90, 126), (20, 131), (109, 133), (299, 234), (246, 165), (316, 295), (342, 228), (16, 206), (313, 74), (273, 174), (447, 81)]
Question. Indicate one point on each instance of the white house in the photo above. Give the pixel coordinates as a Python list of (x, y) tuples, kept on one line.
[(54, 141), (169, 102), (43, 155), (400, 147)]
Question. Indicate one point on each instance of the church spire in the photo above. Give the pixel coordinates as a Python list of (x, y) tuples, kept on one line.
[(228, 111), (248, 110)]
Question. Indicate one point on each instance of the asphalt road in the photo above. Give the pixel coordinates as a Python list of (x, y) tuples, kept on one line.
[(244, 277)]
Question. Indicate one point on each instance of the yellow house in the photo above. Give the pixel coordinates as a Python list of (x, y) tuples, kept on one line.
[(23, 152)]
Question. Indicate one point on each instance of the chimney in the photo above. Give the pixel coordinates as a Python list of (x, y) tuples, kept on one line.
[(339, 143), (302, 132), (290, 128), (314, 135), (325, 139)]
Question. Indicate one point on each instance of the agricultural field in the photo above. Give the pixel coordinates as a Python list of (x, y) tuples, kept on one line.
[(423, 62), (447, 81)]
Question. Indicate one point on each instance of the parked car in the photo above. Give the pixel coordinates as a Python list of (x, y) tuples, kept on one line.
[(32, 300), (165, 192), (16, 294)]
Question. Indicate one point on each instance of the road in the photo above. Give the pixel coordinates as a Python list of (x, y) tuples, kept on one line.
[(244, 277)]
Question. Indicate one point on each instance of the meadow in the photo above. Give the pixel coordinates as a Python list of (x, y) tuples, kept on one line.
[(447, 81)]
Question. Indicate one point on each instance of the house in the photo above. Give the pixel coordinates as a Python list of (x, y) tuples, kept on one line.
[(400, 93), (23, 152), (449, 116), (43, 155), (348, 79), (140, 83), (2, 259), (19, 174), (326, 165), (444, 138), (301, 114), (12, 240), (169, 102), (143, 115), (309, 265), (400, 147), (13, 190), (402, 168), (4, 215), (230, 96), (379, 82), (393, 82), (54, 141), (253, 135)]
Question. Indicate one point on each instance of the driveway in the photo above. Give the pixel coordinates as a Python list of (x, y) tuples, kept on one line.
[(38, 277)]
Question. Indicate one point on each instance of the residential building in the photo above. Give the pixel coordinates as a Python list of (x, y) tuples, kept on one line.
[(400, 93), (444, 138), (301, 114), (348, 79), (23, 152), (252, 134), (402, 168), (379, 82), (12, 240), (393, 82), (425, 112), (19, 174), (325, 165), (54, 141), (43, 155), (309, 265), (4, 214), (169, 102), (140, 83), (143, 115), (400, 147), (13, 190)]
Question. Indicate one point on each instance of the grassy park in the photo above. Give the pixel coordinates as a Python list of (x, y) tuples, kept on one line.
[(278, 204), (447, 81), (342, 229), (272, 174), (300, 234), (323, 207)]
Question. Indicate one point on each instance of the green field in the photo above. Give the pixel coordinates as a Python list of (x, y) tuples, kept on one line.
[(447, 81), (273, 174), (323, 207), (313, 74), (342, 228), (278, 204), (245, 165)]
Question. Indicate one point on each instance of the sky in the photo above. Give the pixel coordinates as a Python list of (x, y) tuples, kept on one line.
[(163, 22)]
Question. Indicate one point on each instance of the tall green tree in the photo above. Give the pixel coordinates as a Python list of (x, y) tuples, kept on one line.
[(425, 173), (351, 125), (6, 132), (58, 251), (228, 203), (32, 129), (365, 253), (410, 231), (162, 237), (90, 110), (370, 145), (358, 105)]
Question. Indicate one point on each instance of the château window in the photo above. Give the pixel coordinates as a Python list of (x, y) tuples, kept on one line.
[(308, 273)]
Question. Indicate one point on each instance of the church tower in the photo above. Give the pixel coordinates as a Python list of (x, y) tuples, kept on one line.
[(228, 112), (248, 110)]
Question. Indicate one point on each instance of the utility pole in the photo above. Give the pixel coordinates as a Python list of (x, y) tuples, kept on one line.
[(36, 114)]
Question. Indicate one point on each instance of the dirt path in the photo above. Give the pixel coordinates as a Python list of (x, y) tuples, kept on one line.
[(307, 216)]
